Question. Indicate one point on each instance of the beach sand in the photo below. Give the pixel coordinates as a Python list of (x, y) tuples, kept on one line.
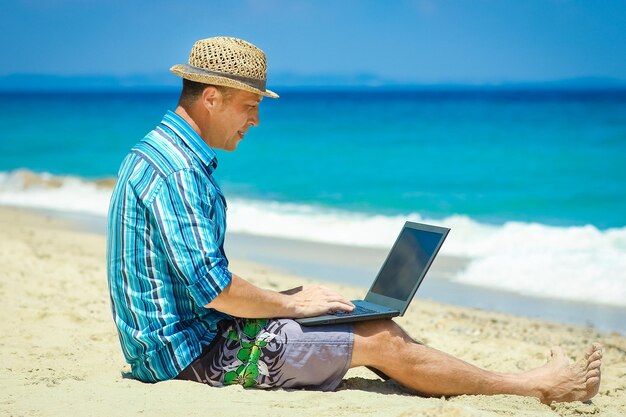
[(60, 352)]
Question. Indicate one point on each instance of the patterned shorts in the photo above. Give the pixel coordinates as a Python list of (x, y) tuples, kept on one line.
[(274, 353)]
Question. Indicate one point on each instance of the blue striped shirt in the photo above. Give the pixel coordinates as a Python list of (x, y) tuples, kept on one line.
[(165, 253)]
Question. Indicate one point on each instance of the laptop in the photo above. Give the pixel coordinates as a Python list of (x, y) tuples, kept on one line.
[(401, 274)]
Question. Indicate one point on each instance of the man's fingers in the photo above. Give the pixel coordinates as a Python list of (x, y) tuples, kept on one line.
[(319, 300), (341, 306), (347, 304), (321, 292)]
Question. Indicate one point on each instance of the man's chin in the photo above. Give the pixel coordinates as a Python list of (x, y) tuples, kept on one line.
[(231, 146)]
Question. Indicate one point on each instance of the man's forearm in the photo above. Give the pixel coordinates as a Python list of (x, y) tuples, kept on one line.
[(243, 299)]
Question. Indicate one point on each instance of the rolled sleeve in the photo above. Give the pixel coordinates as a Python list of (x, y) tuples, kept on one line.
[(206, 288), (191, 226)]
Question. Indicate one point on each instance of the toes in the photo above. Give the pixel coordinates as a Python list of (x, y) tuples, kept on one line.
[(592, 358), (594, 364), (593, 373), (597, 355), (592, 382), (593, 349)]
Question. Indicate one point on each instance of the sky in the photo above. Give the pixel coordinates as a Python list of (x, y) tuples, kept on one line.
[(421, 41)]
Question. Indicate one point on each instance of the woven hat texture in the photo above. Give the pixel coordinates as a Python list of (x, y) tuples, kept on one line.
[(228, 62)]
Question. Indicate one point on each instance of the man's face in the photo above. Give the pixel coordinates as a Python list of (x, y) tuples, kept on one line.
[(232, 119)]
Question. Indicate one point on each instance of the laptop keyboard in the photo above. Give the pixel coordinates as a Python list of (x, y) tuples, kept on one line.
[(357, 310)]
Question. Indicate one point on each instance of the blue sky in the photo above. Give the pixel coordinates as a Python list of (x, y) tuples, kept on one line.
[(428, 41)]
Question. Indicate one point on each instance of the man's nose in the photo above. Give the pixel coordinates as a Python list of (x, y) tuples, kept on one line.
[(254, 118)]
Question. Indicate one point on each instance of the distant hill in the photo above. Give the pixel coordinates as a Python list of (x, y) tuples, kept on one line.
[(366, 80), (290, 81), (49, 82)]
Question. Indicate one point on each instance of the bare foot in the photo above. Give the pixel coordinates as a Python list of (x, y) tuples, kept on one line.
[(561, 381)]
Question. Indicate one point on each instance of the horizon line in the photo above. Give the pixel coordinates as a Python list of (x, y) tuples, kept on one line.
[(440, 89), (287, 80)]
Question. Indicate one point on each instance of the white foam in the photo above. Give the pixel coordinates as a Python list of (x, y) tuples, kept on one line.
[(574, 263), (312, 223), (73, 194)]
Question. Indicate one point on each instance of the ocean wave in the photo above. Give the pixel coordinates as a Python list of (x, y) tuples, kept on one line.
[(25, 188), (573, 263), (579, 263)]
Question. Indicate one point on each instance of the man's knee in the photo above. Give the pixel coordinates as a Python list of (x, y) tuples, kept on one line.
[(377, 341), (381, 330)]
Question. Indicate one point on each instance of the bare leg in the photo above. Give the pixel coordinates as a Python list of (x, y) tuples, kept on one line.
[(385, 346)]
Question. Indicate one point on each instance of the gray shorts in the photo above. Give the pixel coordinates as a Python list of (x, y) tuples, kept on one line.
[(274, 353)]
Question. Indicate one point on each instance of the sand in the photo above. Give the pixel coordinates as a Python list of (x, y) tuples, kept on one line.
[(60, 353)]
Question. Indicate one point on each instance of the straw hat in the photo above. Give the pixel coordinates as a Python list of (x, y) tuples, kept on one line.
[(229, 62)]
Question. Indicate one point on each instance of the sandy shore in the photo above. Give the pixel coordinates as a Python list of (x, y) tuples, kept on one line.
[(60, 353)]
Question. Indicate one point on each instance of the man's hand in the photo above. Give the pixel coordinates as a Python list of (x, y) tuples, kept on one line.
[(317, 301)]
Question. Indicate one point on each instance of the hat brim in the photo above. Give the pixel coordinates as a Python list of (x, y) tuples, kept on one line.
[(195, 74)]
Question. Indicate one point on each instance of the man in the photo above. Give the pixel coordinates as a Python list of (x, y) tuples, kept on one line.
[(181, 313)]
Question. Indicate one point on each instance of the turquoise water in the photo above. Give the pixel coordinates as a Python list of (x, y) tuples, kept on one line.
[(532, 183), (558, 158)]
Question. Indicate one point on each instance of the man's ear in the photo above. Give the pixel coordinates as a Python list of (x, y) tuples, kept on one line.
[(211, 98)]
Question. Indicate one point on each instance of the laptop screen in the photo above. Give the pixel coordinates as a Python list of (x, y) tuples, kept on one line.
[(406, 263)]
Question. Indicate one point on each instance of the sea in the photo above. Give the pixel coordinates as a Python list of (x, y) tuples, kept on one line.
[(531, 182)]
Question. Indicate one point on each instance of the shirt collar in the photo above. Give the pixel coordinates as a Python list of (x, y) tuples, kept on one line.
[(189, 136)]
